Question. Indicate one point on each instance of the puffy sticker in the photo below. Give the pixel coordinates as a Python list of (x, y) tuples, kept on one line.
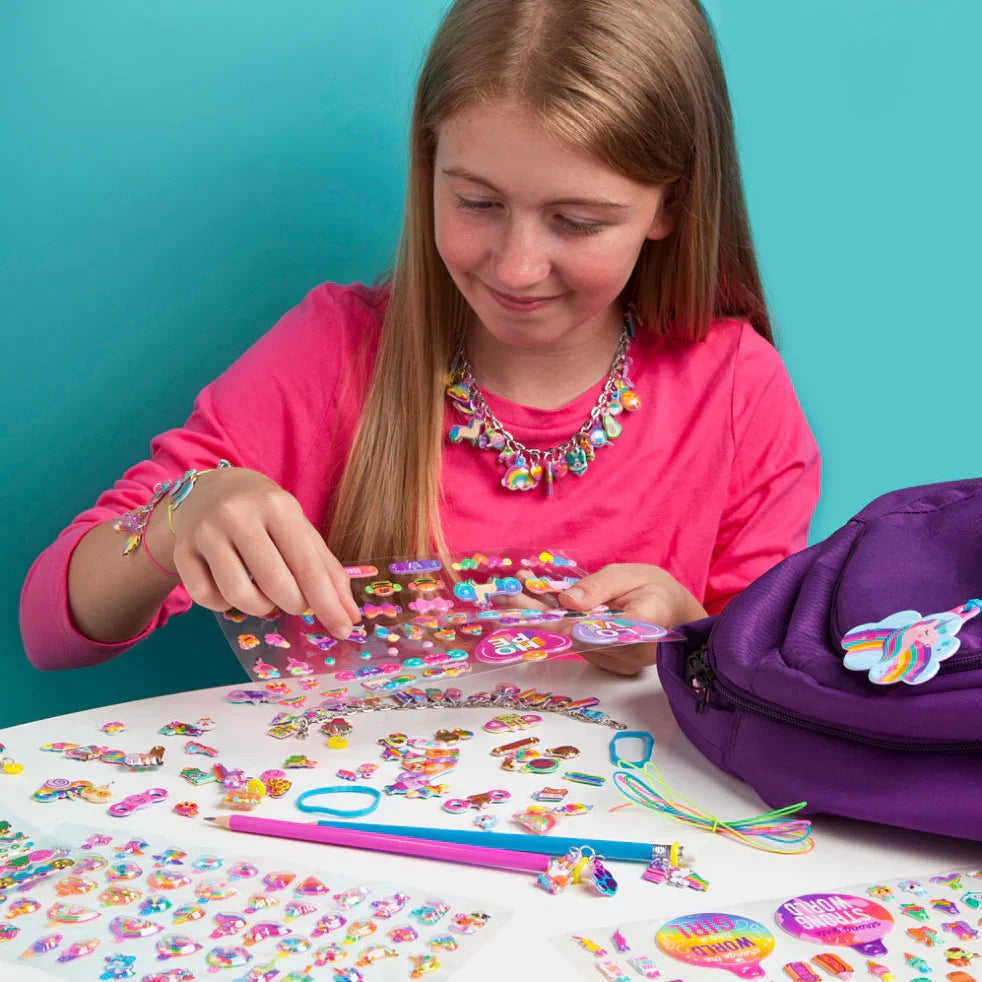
[(837, 919), (227, 957), (71, 914), (260, 901), (712, 940), (128, 928), (263, 930), (175, 945), (188, 912), (226, 924), (509, 645), (328, 923), (620, 630)]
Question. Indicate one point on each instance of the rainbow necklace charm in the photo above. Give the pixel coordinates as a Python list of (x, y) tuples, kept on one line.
[(528, 467)]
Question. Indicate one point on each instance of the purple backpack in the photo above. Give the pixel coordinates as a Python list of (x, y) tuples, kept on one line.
[(763, 690)]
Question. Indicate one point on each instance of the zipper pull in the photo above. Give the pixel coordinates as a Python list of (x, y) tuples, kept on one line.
[(699, 677)]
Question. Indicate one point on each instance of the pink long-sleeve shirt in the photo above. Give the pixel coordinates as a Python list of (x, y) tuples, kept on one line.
[(715, 478)]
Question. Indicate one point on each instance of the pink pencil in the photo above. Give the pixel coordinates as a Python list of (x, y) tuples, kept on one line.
[(452, 852)]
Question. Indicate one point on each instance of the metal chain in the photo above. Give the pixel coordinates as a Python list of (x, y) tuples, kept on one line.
[(301, 724), (533, 455), (597, 718)]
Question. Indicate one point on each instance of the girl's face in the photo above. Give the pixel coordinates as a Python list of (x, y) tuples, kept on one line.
[(539, 238)]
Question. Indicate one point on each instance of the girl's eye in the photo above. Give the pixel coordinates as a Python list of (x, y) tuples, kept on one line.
[(468, 204), (569, 224), (580, 228)]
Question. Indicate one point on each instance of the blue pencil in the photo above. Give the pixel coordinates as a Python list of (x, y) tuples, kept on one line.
[(629, 852)]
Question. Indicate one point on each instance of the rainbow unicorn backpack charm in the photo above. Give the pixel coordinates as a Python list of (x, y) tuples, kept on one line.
[(906, 646)]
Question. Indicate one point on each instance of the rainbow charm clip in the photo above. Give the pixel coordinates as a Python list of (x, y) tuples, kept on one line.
[(906, 646)]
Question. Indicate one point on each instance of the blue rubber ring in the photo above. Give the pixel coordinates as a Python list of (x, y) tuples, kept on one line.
[(643, 735), (373, 793)]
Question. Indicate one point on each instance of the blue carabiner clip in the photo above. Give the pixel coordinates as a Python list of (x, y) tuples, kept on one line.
[(647, 739)]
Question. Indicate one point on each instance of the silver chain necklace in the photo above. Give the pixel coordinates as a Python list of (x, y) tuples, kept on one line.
[(528, 467)]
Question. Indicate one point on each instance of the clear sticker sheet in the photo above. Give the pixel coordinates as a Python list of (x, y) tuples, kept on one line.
[(423, 622), (105, 904), (918, 928)]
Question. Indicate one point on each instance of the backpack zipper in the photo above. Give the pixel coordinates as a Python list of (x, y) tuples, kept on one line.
[(702, 678), (970, 661)]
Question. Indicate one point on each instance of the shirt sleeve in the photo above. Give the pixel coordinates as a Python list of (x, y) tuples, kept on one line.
[(775, 475), (262, 413)]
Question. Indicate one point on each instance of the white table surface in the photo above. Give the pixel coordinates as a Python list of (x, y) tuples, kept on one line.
[(846, 852)]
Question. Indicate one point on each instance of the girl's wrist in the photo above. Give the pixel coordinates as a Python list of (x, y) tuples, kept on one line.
[(139, 521), (689, 609), (159, 540), (681, 605)]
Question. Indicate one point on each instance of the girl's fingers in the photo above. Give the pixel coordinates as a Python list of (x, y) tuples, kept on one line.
[(602, 587), (197, 580), (220, 581), (626, 660), (647, 606), (340, 579), (520, 601), (307, 569), (272, 570)]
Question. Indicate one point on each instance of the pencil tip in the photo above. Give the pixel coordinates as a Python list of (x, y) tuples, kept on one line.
[(209, 818)]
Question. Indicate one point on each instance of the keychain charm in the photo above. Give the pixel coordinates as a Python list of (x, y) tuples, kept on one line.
[(480, 801), (512, 721), (603, 880), (907, 646)]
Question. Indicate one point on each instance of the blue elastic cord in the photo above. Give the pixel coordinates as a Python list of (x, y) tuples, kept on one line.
[(643, 735), (340, 789)]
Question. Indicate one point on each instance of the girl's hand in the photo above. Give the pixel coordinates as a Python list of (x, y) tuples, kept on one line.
[(237, 522), (644, 593)]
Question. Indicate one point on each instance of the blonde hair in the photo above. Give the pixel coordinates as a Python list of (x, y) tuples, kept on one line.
[(637, 83)]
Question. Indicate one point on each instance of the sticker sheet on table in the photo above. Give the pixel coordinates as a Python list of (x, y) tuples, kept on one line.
[(105, 904), (916, 929), (423, 621)]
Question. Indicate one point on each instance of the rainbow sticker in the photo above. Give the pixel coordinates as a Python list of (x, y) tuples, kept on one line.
[(71, 914), (729, 941), (837, 919)]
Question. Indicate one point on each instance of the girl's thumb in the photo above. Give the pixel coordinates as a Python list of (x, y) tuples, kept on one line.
[(579, 596), (610, 582)]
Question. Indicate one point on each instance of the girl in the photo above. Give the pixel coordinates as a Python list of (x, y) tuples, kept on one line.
[(572, 351)]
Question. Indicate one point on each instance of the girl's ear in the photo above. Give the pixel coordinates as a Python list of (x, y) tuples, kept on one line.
[(668, 210)]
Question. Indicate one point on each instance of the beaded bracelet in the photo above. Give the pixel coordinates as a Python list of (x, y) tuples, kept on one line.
[(135, 521)]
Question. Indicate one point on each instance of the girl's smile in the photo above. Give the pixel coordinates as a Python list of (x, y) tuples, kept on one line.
[(521, 304)]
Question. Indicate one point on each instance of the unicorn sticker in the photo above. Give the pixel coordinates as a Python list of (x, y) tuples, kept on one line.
[(906, 646)]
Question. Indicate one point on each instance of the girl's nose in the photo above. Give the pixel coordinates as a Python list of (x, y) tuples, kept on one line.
[(522, 258)]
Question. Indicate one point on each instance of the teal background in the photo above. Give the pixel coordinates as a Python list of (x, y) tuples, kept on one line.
[(173, 177)]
